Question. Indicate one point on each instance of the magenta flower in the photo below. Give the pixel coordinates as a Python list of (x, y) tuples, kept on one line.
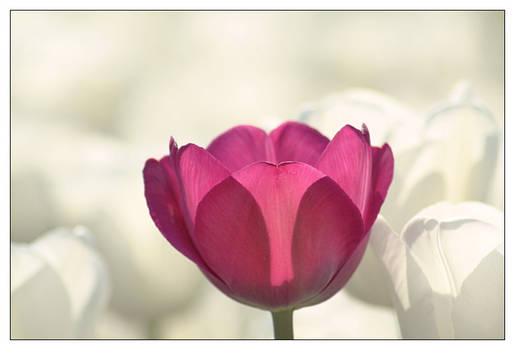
[(276, 221)]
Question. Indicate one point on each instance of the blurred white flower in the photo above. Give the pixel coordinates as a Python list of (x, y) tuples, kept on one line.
[(445, 271), (385, 117), (97, 180), (59, 286), (454, 160), (449, 154)]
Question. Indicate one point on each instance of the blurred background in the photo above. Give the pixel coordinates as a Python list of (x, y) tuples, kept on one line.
[(94, 94)]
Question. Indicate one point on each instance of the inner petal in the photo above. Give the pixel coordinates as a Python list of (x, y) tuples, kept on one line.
[(278, 190), (241, 146), (298, 142)]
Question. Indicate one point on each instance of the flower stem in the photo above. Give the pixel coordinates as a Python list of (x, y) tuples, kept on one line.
[(283, 324)]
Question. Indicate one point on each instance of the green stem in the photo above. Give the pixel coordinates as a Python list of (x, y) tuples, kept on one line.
[(283, 324)]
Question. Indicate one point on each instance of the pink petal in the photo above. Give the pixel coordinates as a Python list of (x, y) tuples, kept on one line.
[(163, 203), (231, 235), (343, 275), (241, 146), (382, 175), (327, 231), (199, 172), (295, 141), (348, 160), (278, 190), (166, 207)]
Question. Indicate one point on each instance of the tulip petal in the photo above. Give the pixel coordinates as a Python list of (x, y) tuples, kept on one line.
[(481, 298), (382, 175), (278, 190), (231, 235), (295, 141), (62, 276), (328, 228), (438, 248), (348, 160), (37, 291), (241, 146), (163, 203), (477, 210), (199, 172), (342, 276)]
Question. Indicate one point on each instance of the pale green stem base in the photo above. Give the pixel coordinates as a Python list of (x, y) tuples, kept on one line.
[(283, 324)]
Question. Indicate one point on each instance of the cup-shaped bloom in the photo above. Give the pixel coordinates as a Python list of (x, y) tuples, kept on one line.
[(276, 220), (445, 271)]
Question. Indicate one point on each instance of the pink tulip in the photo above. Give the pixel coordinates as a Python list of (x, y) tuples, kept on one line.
[(276, 221)]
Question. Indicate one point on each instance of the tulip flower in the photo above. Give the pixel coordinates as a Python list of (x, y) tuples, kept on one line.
[(277, 221), (59, 286), (445, 271)]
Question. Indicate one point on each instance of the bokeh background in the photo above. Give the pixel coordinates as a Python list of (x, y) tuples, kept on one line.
[(94, 94)]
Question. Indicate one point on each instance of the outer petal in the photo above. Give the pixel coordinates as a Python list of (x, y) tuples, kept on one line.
[(382, 175), (342, 276), (481, 298), (295, 141), (381, 113), (348, 160), (477, 210), (241, 146), (327, 231), (61, 275), (164, 206), (438, 247), (231, 235), (278, 190), (199, 172)]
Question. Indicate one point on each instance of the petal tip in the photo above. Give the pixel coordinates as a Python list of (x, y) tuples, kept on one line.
[(173, 146)]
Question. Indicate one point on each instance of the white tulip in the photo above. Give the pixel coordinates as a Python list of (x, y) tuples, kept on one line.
[(59, 286), (445, 271), (449, 154), (454, 160), (385, 117)]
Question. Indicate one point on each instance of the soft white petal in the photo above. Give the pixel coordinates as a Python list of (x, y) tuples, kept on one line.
[(40, 305), (479, 309), (59, 286), (477, 210), (447, 251), (379, 112), (464, 140), (83, 273)]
